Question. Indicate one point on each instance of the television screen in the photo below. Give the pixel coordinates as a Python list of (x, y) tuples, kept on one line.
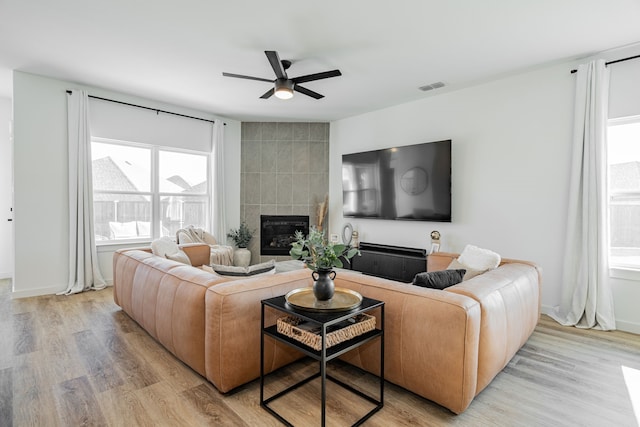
[(405, 183)]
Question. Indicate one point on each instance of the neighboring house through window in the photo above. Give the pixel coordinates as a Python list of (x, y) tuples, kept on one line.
[(142, 192), (624, 192)]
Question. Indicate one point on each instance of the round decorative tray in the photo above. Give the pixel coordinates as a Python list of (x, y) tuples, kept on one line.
[(343, 300)]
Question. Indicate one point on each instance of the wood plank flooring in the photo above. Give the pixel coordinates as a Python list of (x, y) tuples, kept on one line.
[(79, 360)]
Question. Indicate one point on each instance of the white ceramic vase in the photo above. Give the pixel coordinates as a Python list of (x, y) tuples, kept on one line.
[(242, 257)]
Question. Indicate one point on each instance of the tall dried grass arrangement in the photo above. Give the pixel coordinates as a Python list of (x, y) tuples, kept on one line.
[(321, 212)]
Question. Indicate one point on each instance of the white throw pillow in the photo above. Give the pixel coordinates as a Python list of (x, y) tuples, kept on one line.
[(479, 259), (180, 256), (457, 265), (164, 246)]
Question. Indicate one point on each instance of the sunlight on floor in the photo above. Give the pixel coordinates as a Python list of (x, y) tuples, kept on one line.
[(632, 379)]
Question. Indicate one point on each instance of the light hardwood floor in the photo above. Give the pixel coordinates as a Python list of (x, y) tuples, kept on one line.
[(79, 360)]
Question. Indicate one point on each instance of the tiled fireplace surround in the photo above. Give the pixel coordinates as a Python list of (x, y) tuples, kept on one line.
[(285, 169)]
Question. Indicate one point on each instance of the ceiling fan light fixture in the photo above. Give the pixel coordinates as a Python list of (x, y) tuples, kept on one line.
[(284, 89)]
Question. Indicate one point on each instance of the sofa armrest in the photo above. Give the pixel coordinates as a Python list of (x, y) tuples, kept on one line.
[(431, 339), (167, 299), (509, 298), (440, 260), (198, 253)]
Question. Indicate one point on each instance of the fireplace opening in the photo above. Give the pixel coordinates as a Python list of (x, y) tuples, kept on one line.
[(277, 232)]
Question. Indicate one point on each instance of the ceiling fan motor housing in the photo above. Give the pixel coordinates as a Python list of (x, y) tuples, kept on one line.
[(284, 84)]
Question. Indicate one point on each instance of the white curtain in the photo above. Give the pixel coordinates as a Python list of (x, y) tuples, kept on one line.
[(587, 300), (218, 217), (84, 273)]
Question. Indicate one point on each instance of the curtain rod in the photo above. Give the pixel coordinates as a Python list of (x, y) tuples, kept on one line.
[(149, 108), (614, 62)]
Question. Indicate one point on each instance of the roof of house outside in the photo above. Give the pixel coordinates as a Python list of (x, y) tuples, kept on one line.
[(110, 174)]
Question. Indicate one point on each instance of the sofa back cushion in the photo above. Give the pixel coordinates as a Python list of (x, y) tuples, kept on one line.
[(440, 260)]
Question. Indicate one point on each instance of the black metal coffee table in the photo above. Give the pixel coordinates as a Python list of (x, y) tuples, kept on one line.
[(324, 320)]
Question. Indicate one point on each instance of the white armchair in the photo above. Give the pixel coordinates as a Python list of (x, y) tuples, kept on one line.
[(220, 254)]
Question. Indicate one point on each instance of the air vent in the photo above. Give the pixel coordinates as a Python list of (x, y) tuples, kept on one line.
[(432, 86)]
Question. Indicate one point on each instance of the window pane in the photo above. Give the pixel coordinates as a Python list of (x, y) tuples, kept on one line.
[(120, 168), (122, 216), (182, 173), (624, 157), (180, 211), (624, 191)]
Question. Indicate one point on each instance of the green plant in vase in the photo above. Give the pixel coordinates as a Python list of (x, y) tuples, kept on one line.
[(241, 236), (322, 257)]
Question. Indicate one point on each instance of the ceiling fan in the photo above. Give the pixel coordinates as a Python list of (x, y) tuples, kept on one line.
[(283, 85)]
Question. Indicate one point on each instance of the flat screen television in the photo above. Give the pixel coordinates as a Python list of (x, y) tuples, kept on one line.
[(412, 182)]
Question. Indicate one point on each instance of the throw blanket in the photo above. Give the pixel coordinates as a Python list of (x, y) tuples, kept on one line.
[(220, 254), (196, 235)]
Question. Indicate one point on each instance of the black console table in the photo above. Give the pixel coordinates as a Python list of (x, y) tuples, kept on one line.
[(391, 262)]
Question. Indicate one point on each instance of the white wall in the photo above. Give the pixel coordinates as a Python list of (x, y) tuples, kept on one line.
[(6, 201), (510, 170), (40, 180)]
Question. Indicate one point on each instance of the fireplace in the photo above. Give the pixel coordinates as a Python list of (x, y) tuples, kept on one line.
[(276, 232)]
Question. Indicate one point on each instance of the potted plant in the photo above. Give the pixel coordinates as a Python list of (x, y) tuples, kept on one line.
[(321, 257), (241, 237)]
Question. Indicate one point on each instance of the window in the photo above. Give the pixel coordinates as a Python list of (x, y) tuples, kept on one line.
[(624, 192), (143, 192)]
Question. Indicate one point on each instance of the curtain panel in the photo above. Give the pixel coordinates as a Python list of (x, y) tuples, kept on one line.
[(587, 299), (218, 191), (84, 271)]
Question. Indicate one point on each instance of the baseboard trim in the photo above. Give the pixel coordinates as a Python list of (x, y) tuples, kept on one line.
[(36, 292), (621, 325), (625, 326)]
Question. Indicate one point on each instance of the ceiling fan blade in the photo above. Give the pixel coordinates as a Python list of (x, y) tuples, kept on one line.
[(317, 76), (268, 94), (276, 64), (240, 76), (307, 92)]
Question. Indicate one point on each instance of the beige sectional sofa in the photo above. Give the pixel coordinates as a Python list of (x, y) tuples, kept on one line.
[(446, 345)]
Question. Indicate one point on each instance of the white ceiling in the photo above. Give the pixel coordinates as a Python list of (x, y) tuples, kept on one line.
[(175, 51)]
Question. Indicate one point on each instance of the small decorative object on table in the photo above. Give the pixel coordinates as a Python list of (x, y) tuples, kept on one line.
[(435, 241), (241, 237), (321, 257)]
